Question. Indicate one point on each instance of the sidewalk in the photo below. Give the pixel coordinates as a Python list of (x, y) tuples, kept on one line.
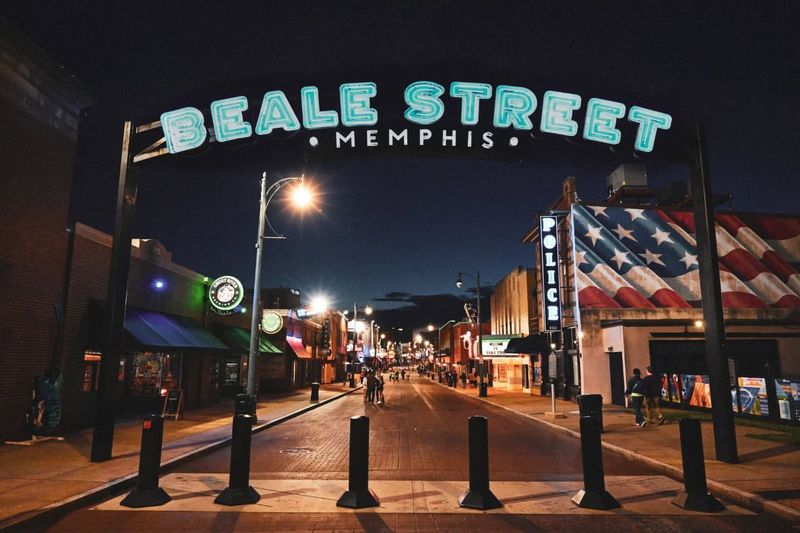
[(34, 477), (767, 477)]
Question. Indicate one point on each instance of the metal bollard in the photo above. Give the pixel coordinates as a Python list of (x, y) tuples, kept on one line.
[(147, 492), (244, 404), (358, 495), (352, 381), (315, 392), (593, 495), (440, 376), (239, 491), (478, 495), (696, 496)]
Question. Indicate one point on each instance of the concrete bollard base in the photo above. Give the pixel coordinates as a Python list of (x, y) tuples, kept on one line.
[(145, 498), (237, 496), (358, 499), (477, 499), (705, 503), (599, 499), (551, 414)]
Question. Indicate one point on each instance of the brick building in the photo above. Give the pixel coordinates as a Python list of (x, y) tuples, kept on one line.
[(40, 108)]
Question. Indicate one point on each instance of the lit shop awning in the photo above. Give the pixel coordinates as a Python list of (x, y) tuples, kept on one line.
[(159, 330), (298, 348), (239, 339)]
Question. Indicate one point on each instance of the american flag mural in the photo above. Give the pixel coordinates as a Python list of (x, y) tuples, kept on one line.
[(647, 258)]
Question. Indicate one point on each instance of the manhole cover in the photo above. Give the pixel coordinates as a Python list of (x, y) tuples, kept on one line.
[(296, 450)]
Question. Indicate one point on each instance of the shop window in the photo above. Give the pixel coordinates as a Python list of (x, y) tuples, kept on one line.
[(91, 371), (155, 373)]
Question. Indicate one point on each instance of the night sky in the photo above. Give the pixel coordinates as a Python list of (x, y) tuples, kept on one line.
[(403, 225)]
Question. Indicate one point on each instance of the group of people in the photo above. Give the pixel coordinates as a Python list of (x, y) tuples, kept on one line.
[(374, 380), (645, 391)]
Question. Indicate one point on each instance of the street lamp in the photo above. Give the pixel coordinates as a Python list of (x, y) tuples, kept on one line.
[(301, 197), (483, 389), (319, 305), (367, 311)]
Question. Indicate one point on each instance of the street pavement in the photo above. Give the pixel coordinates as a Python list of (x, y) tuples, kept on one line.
[(46, 475), (418, 467)]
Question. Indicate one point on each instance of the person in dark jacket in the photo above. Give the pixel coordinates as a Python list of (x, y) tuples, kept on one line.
[(652, 392), (636, 390)]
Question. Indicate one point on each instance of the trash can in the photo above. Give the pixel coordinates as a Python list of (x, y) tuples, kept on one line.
[(591, 405), (244, 404)]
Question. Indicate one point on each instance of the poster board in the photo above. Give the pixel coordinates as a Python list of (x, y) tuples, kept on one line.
[(173, 404)]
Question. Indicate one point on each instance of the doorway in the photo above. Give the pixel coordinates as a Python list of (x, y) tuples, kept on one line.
[(617, 378)]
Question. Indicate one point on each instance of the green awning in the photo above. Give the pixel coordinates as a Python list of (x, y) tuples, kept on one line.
[(239, 339), (152, 329)]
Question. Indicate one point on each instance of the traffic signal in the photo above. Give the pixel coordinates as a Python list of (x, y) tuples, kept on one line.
[(325, 337)]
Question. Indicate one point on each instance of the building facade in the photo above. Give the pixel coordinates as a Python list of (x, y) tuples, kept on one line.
[(40, 109), (631, 298)]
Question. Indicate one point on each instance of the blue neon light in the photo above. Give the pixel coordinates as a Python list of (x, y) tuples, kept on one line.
[(276, 113), (601, 117), (471, 94), (424, 103), (183, 129), (513, 106), (228, 122)]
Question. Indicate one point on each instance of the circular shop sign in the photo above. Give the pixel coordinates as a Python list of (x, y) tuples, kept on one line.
[(271, 322), (225, 294)]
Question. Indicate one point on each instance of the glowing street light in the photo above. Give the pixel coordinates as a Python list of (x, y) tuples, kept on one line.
[(431, 327), (301, 198), (319, 304)]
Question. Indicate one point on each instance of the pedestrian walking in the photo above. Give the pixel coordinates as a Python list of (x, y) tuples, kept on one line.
[(635, 390), (403, 374), (372, 385), (379, 390), (652, 392), (365, 384)]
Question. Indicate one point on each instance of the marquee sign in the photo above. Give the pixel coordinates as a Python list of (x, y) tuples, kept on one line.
[(356, 119), (551, 283), (225, 295)]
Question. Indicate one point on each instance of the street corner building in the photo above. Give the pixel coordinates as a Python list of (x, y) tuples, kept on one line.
[(631, 297)]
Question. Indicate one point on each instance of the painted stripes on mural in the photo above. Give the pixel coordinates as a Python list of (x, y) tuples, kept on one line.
[(647, 258)]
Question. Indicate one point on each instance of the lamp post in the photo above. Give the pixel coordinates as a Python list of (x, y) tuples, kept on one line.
[(302, 198), (367, 311), (483, 392)]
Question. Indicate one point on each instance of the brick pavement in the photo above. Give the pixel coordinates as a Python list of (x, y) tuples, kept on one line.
[(34, 477), (768, 474)]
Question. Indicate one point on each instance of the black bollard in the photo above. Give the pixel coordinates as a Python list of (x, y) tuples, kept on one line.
[(352, 381), (147, 492), (358, 495), (244, 404), (239, 491), (315, 392), (594, 494), (440, 376), (478, 495), (696, 497)]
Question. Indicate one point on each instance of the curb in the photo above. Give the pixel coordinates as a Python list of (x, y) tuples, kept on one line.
[(748, 500), (106, 490)]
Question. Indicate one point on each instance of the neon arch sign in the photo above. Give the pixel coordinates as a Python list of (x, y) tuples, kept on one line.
[(512, 109)]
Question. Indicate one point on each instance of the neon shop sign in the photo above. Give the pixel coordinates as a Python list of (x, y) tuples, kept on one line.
[(354, 123)]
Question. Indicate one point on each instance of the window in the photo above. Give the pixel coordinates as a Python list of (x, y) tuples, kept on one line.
[(91, 371)]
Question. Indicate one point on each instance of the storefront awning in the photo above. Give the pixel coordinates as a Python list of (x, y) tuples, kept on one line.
[(298, 348), (531, 344), (158, 330), (239, 339)]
